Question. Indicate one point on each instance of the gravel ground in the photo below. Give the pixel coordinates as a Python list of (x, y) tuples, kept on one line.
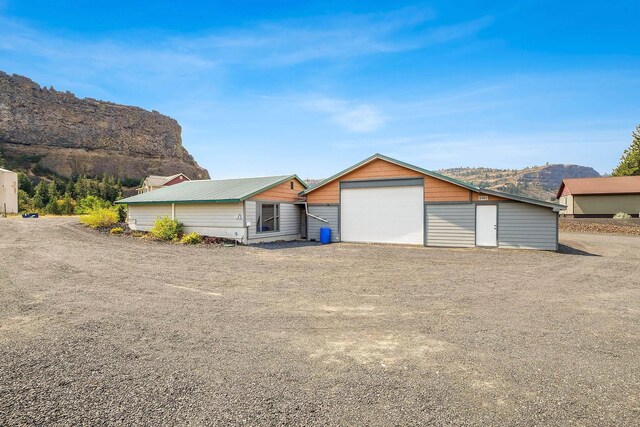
[(629, 226), (98, 329)]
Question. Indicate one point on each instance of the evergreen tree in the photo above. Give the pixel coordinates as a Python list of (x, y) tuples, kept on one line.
[(69, 188), (25, 184), (630, 160), (68, 205), (53, 191), (53, 207), (41, 196)]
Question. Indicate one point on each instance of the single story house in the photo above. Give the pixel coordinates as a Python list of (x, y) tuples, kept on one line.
[(153, 182), (383, 200), (379, 200), (600, 197), (8, 192), (249, 210)]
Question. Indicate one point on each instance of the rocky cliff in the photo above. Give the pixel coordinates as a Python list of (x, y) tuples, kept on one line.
[(59, 132), (540, 182)]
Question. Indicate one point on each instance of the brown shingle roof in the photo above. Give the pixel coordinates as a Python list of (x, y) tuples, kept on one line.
[(607, 185)]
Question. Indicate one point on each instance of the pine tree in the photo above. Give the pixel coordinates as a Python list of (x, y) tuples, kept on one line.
[(53, 191), (630, 160), (25, 184), (41, 196)]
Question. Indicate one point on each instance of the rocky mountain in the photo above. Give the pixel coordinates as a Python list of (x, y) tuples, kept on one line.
[(540, 182), (55, 131)]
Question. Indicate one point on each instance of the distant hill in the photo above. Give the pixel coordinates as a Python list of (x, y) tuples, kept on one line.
[(48, 132), (540, 182)]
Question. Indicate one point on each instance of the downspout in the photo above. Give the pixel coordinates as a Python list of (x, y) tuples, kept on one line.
[(173, 211), (306, 211)]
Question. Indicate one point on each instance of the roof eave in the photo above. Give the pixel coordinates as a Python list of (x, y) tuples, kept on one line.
[(164, 202)]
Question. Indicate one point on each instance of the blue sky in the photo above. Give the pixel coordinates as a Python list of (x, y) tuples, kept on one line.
[(265, 88)]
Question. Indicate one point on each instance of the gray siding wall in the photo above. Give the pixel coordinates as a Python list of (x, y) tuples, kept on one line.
[(142, 217), (212, 219), (329, 213), (524, 226), (289, 223), (451, 225)]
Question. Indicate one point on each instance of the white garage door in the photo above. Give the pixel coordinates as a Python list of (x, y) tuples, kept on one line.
[(382, 215)]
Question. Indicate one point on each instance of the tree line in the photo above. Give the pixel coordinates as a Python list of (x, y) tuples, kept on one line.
[(67, 196)]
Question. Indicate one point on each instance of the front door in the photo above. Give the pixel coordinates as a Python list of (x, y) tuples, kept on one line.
[(487, 225)]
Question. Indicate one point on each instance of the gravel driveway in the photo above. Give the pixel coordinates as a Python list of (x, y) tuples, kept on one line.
[(98, 329)]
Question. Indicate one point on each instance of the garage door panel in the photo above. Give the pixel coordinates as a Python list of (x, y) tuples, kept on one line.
[(382, 215)]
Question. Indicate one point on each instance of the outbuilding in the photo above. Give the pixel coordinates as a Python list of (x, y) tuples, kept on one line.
[(383, 200), (248, 210), (600, 197), (8, 192)]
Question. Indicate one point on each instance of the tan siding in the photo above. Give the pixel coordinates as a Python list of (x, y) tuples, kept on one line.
[(606, 204), (376, 169), (436, 190), (491, 198), (281, 192)]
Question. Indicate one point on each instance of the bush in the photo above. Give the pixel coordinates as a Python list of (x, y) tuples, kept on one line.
[(101, 217), (622, 215), (91, 203), (122, 213), (191, 239), (116, 230), (166, 228)]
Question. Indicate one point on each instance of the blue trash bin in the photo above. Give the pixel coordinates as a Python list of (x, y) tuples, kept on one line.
[(325, 235)]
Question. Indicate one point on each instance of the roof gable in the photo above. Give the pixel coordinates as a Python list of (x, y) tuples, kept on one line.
[(602, 185), (436, 175), (212, 191)]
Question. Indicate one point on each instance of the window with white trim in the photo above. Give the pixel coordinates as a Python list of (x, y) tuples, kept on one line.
[(268, 217)]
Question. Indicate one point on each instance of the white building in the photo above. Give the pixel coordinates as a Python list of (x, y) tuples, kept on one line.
[(8, 192)]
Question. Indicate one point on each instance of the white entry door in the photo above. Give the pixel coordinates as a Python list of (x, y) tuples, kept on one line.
[(486, 225), (382, 215)]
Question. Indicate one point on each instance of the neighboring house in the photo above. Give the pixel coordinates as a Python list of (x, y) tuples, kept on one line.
[(154, 182), (383, 200), (600, 197), (249, 210), (8, 192)]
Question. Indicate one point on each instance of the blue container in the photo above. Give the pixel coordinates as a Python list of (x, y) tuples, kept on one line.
[(325, 235)]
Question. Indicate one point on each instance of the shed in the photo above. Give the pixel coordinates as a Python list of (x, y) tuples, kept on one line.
[(383, 200), (600, 197), (8, 192), (249, 210)]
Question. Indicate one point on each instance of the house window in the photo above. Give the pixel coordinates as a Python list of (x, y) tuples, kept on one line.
[(268, 219), (292, 185)]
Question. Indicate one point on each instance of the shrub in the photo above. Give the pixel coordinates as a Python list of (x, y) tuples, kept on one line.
[(622, 215), (101, 217), (122, 213), (191, 239), (91, 203), (166, 228), (116, 230)]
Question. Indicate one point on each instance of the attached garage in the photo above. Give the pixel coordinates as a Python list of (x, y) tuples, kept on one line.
[(383, 211), (383, 200)]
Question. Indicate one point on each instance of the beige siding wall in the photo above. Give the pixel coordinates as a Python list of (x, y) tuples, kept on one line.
[(289, 223), (566, 200), (607, 204), (225, 220), (8, 192), (142, 217)]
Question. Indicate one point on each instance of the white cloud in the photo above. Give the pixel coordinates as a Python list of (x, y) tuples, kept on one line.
[(354, 117)]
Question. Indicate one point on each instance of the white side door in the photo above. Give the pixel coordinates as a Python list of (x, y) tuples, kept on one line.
[(487, 225)]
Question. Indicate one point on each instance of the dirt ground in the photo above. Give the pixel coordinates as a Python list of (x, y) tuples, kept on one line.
[(98, 329), (630, 226)]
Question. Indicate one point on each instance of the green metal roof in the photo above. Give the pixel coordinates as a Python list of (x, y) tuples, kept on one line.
[(437, 175), (210, 190)]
